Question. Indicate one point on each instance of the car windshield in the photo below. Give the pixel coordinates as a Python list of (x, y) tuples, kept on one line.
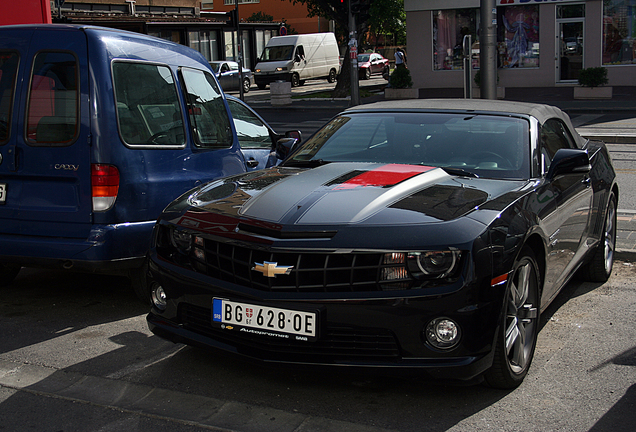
[(363, 58), (215, 66), (277, 53), (479, 145)]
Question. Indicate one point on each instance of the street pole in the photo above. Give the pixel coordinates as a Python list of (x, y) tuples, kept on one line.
[(353, 53), (240, 53), (488, 49)]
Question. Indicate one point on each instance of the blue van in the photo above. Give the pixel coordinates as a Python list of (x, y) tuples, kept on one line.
[(99, 130)]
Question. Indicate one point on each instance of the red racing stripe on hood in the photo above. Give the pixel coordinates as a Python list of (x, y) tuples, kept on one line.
[(386, 175)]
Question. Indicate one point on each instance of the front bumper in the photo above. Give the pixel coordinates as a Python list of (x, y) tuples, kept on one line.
[(264, 79), (376, 331)]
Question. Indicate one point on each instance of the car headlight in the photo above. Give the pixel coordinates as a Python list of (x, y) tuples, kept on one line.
[(400, 270), (433, 264), (181, 240)]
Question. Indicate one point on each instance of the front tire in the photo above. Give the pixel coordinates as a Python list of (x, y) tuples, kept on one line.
[(295, 80), (600, 267), (517, 335)]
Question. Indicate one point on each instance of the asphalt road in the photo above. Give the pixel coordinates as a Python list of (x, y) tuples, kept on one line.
[(76, 355)]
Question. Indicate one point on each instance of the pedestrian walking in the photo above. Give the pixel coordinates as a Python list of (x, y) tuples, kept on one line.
[(400, 58)]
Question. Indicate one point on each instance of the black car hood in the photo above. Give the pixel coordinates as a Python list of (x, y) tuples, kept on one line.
[(347, 193)]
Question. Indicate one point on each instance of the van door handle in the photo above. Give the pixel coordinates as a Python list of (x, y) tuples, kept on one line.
[(12, 157)]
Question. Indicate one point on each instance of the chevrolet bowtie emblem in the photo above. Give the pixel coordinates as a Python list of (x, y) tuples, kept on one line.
[(271, 269)]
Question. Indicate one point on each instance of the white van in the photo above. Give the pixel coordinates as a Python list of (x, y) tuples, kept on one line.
[(297, 58)]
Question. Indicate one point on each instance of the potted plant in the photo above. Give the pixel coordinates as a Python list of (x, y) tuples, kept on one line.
[(592, 84), (400, 85)]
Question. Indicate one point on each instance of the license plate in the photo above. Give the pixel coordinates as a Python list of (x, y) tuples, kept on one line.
[(3, 193), (264, 320)]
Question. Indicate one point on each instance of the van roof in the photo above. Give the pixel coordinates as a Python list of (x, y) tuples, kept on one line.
[(117, 42)]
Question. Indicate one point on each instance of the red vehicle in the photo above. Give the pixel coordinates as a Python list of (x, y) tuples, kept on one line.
[(372, 64)]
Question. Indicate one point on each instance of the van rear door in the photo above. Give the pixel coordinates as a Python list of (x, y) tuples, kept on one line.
[(45, 175)]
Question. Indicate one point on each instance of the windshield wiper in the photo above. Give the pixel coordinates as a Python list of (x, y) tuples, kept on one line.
[(311, 163), (459, 172)]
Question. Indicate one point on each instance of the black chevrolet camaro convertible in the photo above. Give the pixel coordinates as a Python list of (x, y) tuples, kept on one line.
[(422, 235)]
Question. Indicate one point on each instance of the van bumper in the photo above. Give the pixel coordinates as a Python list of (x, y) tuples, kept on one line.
[(264, 79), (114, 248)]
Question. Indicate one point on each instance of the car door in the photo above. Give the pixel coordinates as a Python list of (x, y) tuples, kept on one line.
[(255, 137), (572, 194), (46, 170)]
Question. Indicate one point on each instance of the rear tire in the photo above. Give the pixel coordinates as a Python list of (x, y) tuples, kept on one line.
[(8, 273), (517, 334), (246, 85), (332, 76), (600, 267)]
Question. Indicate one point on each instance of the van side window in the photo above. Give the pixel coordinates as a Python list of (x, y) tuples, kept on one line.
[(300, 53), (53, 100), (8, 69), (208, 116), (148, 108)]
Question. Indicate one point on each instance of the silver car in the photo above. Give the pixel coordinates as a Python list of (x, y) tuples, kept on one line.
[(227, 73)]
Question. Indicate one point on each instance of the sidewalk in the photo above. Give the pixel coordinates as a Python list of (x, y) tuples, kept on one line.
[(614, 132)]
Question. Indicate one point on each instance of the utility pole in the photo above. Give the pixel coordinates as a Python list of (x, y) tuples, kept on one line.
[(488, 49), (240, 52), (353, 53)]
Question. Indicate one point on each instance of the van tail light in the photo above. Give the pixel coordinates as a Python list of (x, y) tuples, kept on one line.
[(105, 183)]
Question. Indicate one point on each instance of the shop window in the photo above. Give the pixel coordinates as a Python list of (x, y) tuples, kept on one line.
[(517, 38), (619, 32), (449, 29)]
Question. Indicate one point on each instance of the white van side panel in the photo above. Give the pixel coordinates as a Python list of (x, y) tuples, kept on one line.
[(321, 55)]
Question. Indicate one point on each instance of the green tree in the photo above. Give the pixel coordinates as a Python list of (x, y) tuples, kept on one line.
[(260, 17), (387, 17)]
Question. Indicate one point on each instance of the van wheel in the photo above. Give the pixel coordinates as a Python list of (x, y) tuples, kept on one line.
[(8, 273), (332, 76), (295, 80), (246, 85), (139, 283), (261, 86)]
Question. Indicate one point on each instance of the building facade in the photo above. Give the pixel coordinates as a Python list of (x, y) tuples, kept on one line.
[(540, 43), (203, 25)]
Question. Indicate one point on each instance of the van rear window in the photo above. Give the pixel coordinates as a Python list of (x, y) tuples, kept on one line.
[(53, 100), (8, 69), (148, 108)]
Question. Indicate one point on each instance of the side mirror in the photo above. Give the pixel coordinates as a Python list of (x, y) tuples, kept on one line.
[(297, 59), (294, 134), (569, 161), (284, 147)]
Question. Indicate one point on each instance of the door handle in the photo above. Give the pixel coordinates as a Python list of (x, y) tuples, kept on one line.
[(251, 163)]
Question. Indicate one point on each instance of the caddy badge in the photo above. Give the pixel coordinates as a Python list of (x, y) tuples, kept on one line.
[(271, 269)]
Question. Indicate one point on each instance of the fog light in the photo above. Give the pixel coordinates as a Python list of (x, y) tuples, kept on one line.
[(159, 297), (442, 333)]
